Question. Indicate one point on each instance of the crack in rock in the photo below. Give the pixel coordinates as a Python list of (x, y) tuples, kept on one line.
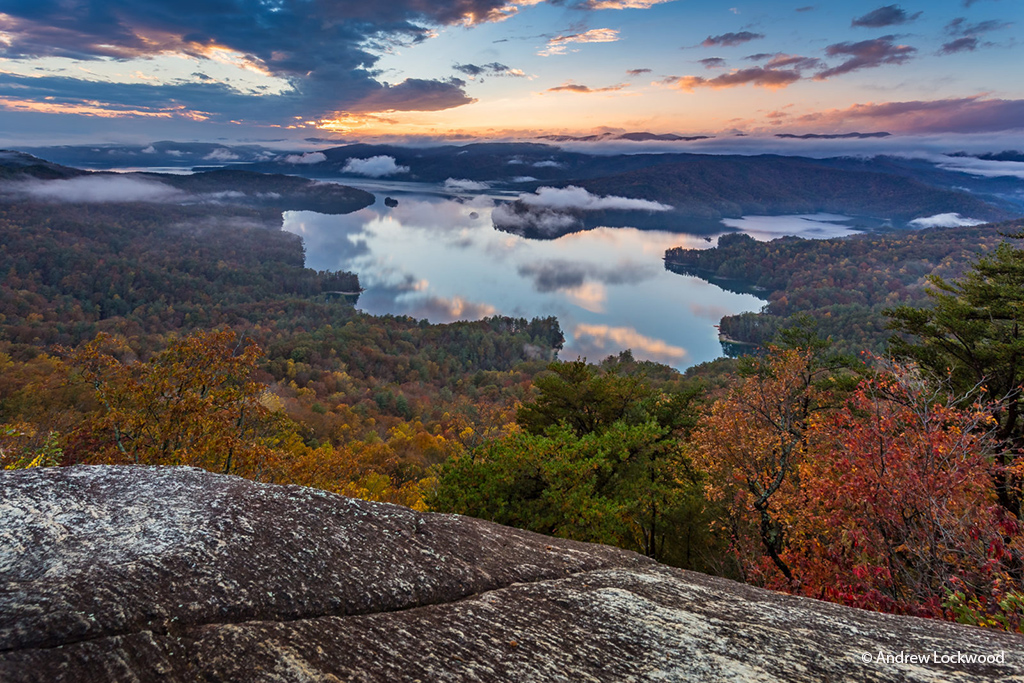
[(177, 574)]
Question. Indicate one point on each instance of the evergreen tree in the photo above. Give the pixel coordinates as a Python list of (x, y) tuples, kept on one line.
[(974, 338)]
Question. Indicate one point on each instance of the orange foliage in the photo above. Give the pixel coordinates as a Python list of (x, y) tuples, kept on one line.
[(193, 404), (886, 502)]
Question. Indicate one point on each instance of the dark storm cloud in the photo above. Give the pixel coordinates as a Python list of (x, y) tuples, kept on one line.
[(731, 39), (326, 51), (866, 54), (890, 15)]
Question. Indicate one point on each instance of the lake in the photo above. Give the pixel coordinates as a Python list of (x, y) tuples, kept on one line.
[(440, 258)]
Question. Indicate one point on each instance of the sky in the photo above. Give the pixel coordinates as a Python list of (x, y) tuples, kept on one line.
[(286, 71)]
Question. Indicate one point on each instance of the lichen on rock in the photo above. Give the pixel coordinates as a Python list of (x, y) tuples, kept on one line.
[(177, 574)]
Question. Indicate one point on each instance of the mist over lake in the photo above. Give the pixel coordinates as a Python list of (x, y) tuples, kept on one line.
[(440, 258)]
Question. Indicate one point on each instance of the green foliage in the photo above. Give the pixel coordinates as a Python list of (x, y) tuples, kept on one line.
[(1005, 614), (70, 271), (599, 459), (843, 283), (973, 335), (17, 454)]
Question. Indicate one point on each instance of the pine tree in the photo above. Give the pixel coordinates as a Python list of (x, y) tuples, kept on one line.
[(973, 337)]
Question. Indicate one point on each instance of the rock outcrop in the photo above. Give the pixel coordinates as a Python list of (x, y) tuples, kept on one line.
[(176, 574)]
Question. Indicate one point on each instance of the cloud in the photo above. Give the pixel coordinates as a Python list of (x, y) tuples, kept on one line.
[(551, 212), (712, 62), (966, 44), (577, 198), (781, 60), (620, 4), (219, 154), (602, 340), (374, 167), (637, 72), (98, 189), (583, 89), (828, 136), (731, 39), (320, 57), (986, 168), (493, 69), (307, 158), (546, 222), (959, 115), (780, 71), (415, 94), (890, 15), (961, 27), (463, 185), (808, 8), (968, 34), (546, 163), (866, 54), (559, 44), (766, 78), (944, 220)]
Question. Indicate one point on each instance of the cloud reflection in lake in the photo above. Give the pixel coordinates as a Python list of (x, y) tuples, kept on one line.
[(441, 259)]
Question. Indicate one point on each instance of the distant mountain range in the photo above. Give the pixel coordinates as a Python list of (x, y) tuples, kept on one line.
[(19, 166), (31, 178), (163, 153), (702, 189), (633, 137)]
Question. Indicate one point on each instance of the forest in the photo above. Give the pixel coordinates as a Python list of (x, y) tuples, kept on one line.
[(844, 284), (891, 481)]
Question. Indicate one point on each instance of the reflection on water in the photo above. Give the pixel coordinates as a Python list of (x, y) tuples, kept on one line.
[(440, 259)]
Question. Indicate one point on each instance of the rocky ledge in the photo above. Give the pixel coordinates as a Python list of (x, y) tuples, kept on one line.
[(176, 574)]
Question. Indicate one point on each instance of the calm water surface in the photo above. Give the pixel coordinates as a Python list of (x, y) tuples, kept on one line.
[(439, 258)]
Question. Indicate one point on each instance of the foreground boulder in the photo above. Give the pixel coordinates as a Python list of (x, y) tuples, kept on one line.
[(176, 574)]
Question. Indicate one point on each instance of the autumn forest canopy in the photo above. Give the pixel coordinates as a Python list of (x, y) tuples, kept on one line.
[(869, 452)]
